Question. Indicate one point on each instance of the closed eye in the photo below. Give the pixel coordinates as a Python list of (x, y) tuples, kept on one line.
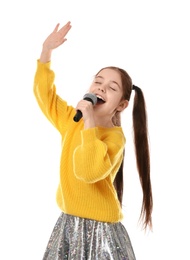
[(113, 88)]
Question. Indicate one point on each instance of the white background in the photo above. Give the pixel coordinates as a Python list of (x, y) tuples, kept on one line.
[(150, 39)]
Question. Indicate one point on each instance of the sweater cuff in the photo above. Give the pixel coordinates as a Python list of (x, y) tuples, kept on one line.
[(89, 135), (43, 65)]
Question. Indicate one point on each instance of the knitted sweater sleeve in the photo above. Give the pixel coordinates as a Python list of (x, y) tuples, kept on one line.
[(53, 107), (97, 157)]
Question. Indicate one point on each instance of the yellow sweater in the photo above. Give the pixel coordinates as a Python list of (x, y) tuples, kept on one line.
[(89, 160)]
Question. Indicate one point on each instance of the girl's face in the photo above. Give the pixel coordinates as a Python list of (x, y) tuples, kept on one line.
[(107, 86)]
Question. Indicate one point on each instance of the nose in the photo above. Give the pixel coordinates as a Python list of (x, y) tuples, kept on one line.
[(102, 89)]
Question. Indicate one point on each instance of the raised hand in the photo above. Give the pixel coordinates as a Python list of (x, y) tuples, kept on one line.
[(54, 40), (57, 37)]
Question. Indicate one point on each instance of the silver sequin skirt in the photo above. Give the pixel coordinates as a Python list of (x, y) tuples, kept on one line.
[(76, 238)]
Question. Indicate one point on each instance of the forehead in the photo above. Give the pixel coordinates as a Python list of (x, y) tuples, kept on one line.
[(110, 74)]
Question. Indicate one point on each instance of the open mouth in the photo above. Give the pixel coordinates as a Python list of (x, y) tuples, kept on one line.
[(100, 100)]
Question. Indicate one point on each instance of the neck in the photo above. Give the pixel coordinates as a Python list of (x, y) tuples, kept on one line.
[(103, 122)]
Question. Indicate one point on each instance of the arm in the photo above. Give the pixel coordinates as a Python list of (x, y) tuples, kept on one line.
[(54, 40), (44, 89), (99, 155)]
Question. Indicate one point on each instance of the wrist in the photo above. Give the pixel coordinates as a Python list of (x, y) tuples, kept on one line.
[(45, 49), (45, 55), (89, 123)]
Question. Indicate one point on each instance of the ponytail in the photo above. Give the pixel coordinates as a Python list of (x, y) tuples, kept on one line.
[(141, 146), (142, 155)]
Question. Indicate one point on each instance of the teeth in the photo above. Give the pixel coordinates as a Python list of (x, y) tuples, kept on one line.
[(100, 97)]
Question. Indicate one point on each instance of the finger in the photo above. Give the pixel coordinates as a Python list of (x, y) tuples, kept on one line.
[(56, 27), (65, 28), (64, 40), (67, 24)]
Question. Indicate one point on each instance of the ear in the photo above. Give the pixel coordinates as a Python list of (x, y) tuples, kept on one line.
[(123, 104)]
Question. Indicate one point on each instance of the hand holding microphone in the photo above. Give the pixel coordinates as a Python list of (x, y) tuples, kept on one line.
[(83, 105)]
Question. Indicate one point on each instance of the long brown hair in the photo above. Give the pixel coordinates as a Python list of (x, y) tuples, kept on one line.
[(141, 144)]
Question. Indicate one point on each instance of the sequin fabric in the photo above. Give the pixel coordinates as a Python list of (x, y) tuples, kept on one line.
[(76, 238)]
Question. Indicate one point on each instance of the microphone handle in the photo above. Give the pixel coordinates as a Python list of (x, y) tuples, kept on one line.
[(78, 115)]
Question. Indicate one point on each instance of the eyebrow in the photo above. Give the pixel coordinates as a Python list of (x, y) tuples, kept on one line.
[(113, 81)]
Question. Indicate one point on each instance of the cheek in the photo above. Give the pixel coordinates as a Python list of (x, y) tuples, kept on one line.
[(116, 100), (115, 97), (113, 104)]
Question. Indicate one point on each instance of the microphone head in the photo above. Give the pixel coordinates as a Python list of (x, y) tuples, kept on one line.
[(91, 97)]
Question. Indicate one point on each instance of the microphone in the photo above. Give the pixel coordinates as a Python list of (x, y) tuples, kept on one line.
[(89, 97)]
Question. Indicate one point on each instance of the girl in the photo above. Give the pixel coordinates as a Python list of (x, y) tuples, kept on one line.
[(91, 183)]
